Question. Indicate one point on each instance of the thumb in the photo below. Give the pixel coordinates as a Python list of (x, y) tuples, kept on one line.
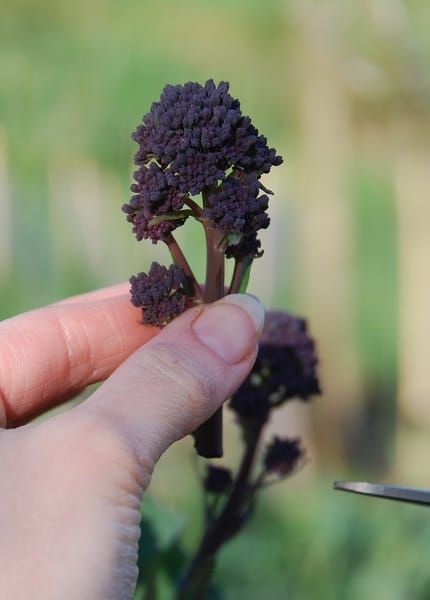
[(178, 379)]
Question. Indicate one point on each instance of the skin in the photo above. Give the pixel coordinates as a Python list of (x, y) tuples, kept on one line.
[(71, 485)]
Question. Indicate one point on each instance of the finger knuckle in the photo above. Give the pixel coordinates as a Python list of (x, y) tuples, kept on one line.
[(192, 387)]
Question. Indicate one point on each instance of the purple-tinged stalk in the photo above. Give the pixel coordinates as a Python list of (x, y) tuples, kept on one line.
[(195, 143), (208, 437), (285, 369)]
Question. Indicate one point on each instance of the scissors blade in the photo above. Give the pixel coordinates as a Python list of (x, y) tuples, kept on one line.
[(382, 490)]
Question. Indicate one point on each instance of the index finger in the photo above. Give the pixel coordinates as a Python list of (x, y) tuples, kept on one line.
[(49, 354)]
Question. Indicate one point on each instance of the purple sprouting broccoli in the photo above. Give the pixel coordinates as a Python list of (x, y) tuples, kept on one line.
[(285, 368), (196, 133), (198, 157)]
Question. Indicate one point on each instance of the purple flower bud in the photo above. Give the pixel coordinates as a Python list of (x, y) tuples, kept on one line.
[(282, 456)]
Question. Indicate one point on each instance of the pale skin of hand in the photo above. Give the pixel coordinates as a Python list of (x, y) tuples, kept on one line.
[(71, 485)]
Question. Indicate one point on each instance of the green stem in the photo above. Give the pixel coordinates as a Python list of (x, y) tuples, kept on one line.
[(240, 277), (236, 278)]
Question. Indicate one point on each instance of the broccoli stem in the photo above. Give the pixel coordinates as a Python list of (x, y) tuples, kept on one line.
[(179, 258), (240, 277), (208, 437), (214, 283)]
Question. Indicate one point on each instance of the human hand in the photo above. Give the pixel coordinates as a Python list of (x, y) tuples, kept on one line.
[(71, 485)]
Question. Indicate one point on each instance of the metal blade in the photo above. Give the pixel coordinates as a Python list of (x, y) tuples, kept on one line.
[(382, 490)]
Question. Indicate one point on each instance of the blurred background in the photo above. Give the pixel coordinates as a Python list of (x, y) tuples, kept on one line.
[(342, 89)]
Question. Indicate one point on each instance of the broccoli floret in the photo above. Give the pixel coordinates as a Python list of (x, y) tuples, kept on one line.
[(195, 139), (285, 368), (159, 294), (196, 133), (283, 456)]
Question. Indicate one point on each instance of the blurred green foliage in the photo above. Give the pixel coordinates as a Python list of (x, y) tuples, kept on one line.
[(315, 543), (340, 86)]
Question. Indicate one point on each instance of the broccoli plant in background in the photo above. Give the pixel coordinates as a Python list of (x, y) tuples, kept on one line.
[(285, 369), (200, 158)]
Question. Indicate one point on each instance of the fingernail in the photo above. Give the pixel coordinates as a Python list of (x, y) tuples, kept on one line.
[(231, 326)]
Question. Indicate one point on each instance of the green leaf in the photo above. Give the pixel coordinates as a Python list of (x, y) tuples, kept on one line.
[(166, 524), (171, 216), (148, 552), (232, 238), (159, 547)]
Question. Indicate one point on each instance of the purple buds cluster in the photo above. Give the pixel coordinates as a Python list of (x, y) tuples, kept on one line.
[(285, 368), (153, 197), (283, 456), (237, 207), (196, 132), (159, 293), (196, 143)]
